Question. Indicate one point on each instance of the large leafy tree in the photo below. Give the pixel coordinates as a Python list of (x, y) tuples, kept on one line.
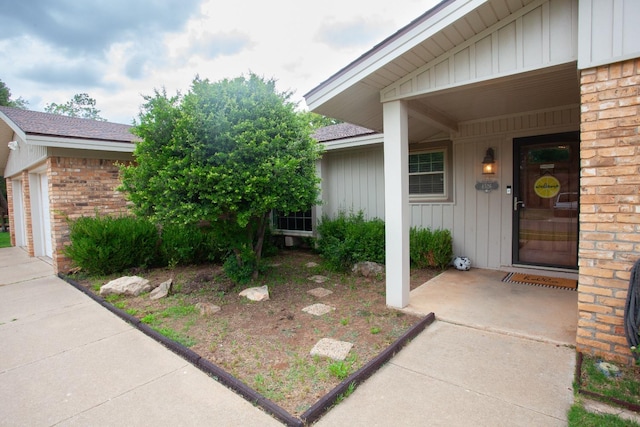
[(81, 105), (228, 152), (5, 98)]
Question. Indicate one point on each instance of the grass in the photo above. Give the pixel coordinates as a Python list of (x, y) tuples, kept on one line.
[(5, 240), (625, 387), (580, 417)]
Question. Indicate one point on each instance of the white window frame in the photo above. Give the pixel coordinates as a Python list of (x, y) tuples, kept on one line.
[(426, 197)]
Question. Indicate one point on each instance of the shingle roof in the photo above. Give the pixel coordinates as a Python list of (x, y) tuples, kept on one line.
[(340, 131), (37, 123)]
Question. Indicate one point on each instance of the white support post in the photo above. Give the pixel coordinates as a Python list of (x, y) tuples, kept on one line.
[(396, 202)]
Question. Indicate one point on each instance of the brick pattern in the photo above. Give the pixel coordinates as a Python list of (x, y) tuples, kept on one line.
[(80, 187), (609, 205)]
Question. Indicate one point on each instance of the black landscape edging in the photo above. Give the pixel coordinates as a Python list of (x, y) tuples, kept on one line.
[(194, 358), (97, 298), (605, 399), (309, 416), (361, 375)]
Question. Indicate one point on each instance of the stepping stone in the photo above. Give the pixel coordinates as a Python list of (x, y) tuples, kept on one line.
[(334, 349), (311, 264), (318, 278), (318, 309), (319, 292)]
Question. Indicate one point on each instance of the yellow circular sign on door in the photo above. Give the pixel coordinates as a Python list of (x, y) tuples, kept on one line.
[(547, 186)]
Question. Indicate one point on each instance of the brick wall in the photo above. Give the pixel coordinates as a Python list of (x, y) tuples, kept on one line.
[(80, 187), (609, 205)]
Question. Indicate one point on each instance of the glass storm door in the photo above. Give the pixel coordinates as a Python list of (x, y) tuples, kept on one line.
[(546, 200)]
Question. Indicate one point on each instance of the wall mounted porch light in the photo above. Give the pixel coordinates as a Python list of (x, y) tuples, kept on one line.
[(489, 162), (488, 184), (13, 145)]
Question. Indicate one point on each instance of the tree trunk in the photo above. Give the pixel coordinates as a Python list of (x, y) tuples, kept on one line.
[(257, 250)]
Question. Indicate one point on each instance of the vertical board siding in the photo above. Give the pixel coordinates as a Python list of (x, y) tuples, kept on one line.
[(609, 31), (353, 180), (537, 36)]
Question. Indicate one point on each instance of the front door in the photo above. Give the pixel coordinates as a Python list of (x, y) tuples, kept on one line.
[(546, 200)]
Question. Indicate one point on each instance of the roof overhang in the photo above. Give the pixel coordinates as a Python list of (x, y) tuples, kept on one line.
[(80, 144), (455, 30)]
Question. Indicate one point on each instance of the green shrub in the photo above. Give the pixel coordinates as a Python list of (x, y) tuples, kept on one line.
[(188, 244), (105, 245), (241, 273), (430, 248), (346, 240)]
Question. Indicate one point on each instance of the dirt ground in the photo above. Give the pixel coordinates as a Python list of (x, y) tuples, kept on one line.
[(266, 344)]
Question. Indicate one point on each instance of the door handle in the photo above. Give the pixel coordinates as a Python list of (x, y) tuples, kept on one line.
[(517, 202)]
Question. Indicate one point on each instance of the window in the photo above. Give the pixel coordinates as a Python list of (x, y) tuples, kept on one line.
[(427, 174), (295, 221)]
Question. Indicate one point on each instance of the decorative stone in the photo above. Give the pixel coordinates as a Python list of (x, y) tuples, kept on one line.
[(206, 308), (311, 264), (368, 268), (260, 293), (319, 292), (609, 369), (334, 349), (318, 309), (162, 290), (127, 285), (318, 278)]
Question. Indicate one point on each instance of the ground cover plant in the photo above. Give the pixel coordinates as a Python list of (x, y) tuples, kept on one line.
[(5, 240), (624, 387), (266, 344), (580, 417)]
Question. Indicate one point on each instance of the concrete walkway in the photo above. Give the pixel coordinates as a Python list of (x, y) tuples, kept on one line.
[(65, 360)]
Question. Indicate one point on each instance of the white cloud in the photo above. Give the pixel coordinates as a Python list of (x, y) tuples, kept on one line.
[(297, 43)]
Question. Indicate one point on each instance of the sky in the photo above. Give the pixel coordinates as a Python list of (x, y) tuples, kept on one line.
[(118, 51)]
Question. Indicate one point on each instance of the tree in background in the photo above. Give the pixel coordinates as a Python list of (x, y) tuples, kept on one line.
[(317, 121), (5, 98), (228, 152), (81, 105)]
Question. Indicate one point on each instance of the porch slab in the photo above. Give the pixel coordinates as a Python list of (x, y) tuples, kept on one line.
[(478, 298)]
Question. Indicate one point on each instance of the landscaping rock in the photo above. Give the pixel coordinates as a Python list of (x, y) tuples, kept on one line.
[(206, 308), (127, 285), (260, 293), (162, 290), (319, 292), (318, 309), (311, 264), (368, 268), (327, 347), (318, 278)]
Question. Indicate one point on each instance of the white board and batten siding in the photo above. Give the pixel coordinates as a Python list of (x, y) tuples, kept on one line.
[(535, 37), (609, 31), (353, 181), (481, 223)]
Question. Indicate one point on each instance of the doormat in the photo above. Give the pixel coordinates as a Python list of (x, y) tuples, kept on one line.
[(534, 279)]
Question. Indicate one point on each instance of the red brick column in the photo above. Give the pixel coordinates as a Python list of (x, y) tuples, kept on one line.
[(80, 187), (609, 204)]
